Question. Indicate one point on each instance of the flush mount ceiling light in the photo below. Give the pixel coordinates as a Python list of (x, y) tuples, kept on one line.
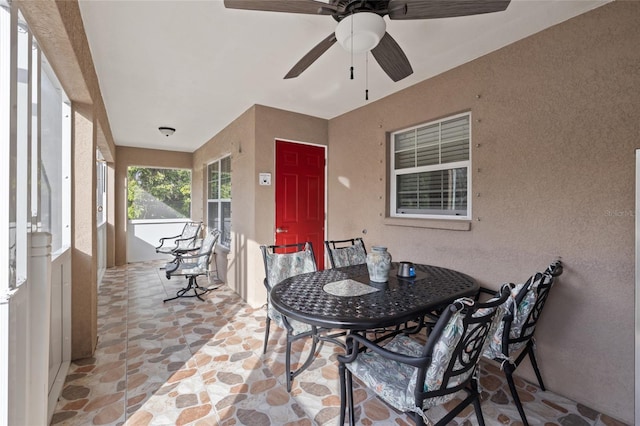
[(360, 32), (167, 131)]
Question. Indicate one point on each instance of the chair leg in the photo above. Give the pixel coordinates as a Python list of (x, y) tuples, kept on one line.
[(534, 364), (310, 358), (343, 392), (266, 335), (287, 363), (472, 396), (478, 408), (192, 285), (352, 415), (514, 394)]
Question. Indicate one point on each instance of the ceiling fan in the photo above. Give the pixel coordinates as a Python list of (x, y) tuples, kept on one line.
[(361, 26)]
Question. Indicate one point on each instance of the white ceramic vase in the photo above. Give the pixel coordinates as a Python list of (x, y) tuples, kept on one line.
[(379, 264)]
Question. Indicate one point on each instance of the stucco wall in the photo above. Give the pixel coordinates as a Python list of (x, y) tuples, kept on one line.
[(556, 119), (250, 139), (237, 140), (128, 156)]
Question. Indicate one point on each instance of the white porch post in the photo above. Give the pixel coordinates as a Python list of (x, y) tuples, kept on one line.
[(40, 282)]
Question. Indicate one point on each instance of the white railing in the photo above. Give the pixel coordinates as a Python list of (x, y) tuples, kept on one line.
[(144, 235)]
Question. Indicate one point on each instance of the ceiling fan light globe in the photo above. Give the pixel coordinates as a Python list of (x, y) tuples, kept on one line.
[(366, 32)]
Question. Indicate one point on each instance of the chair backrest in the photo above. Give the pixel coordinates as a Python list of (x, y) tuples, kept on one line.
[(526, 314), (455, 346), (284, 261), (346, 252), (189, 235), (206, 248), (521, 313)]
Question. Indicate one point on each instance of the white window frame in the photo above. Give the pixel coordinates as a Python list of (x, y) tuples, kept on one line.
[(223, 241), (101, 189), (64, 185), (393, 174), (6, 28)]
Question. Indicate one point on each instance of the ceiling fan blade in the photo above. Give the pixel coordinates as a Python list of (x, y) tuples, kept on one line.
[(431, 9), (311, 57), (310, 7), (392, 59)]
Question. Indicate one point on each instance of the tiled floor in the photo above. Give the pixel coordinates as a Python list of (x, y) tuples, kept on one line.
[(188, 362)]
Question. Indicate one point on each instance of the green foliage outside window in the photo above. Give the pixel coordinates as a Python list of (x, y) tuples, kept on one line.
[(158, 193)]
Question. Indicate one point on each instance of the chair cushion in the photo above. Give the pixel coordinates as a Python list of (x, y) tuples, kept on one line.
[(297, 326), (493, 348), (351, 255), (387, 378), (186, 269), (282, 266), (395, 382)]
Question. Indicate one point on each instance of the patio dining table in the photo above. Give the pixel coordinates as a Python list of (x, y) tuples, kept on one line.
[(345, 298)]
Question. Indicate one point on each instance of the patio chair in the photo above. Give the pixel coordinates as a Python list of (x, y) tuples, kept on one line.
[(414, 377), (281, 262), (513, 339), (192, 266), (183, 243), (346, 252)]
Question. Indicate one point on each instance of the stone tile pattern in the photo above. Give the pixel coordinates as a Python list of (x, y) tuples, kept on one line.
[(187, 362)]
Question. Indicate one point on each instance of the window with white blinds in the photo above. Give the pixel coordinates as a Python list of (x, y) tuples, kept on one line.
[(430, 169)]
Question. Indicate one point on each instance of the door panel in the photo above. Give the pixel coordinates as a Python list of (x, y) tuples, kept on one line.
[(299, 183)]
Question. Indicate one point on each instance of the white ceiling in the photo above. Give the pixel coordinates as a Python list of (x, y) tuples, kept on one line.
[(197, 66)]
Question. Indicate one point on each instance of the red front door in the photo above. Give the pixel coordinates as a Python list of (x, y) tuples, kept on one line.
[(299, 185)]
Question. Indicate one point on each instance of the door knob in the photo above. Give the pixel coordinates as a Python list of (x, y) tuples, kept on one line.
[(281, 230)]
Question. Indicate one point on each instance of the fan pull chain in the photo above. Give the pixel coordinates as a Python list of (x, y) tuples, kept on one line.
[(351, 46), (366, 77)]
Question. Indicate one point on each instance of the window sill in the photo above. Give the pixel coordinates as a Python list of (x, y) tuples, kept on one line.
[(451, 225)]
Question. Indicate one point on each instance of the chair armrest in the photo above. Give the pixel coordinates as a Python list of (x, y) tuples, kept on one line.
[(185, 239), (162, 240), (168, 238), (177, 251), (491, 292), (354, 340), (180, 257), (174, 265)]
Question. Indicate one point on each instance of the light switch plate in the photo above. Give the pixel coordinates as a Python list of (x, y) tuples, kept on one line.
[(264, 179)]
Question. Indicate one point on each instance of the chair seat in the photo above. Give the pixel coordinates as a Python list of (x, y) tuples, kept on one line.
[(297, 326), (393, 381), (187, 269)]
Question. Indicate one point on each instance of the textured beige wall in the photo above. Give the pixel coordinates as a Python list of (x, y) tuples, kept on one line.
[(237, 140), (138, 157), (272, 124), (554, 131), (250, 139)]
